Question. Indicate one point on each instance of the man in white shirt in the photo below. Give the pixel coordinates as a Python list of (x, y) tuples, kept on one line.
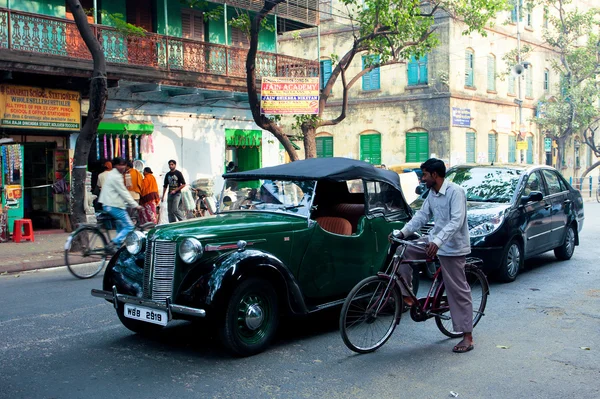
[(115, 198), (449, 240)]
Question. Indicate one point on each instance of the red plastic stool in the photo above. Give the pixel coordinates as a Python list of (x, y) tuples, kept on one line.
[(22, 230)]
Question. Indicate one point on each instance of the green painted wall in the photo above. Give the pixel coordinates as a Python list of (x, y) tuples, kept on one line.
[(173, 16), (54, 8), (112, 7)]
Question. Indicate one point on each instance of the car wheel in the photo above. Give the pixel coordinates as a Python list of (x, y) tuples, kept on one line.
[(565, 251), (138, 327), (251, 318), (512, 262)]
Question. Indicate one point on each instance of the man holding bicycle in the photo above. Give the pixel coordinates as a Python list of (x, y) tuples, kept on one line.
[(115, 198), (449, 240)]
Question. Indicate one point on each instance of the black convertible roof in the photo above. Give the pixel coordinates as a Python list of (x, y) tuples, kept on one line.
[(336, 169)]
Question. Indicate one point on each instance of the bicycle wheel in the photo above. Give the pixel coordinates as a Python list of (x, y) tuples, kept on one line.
[(85, 253), (479, 290), (370, 314)]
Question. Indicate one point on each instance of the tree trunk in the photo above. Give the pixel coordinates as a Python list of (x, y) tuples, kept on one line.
[(590, 168), (560, 150), (310, 143), (98, 97)]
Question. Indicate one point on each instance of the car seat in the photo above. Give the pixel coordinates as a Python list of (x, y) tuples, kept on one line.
[(335, 225)]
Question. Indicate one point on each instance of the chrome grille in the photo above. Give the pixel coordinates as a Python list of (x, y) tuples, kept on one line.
[(159, 268)]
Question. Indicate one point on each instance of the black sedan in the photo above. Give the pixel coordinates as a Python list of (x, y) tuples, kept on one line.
[(517, 212)]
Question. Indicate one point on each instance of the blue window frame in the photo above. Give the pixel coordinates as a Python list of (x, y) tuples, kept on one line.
[(469, 64), (417, 71), (371, 79), (325, 72), (513, 13)]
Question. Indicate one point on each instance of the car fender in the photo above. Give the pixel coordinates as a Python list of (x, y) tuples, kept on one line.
[(125, 271), (238, 265)]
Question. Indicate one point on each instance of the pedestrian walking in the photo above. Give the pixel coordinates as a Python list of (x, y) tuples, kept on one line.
[(149, 198), (133, 181), (102, 176), (447, 205), (175, 182), (115, 199)]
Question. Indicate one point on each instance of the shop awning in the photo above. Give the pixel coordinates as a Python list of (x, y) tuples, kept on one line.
[(115, 126), (243, 138)]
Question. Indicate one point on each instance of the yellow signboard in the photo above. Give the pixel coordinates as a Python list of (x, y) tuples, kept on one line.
[(295, 96), (35, 108), (522, 145)]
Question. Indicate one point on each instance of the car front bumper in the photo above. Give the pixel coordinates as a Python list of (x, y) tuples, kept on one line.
[(116, 298), (491, 257)]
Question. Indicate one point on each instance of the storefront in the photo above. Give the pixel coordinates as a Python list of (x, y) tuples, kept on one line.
[(36, 125)]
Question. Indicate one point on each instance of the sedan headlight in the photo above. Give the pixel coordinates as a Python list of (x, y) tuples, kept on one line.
[(134, 242), (190, 250), (487, 227)]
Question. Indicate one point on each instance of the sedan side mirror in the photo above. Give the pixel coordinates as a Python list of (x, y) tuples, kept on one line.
[(421, 188), (534, 196)]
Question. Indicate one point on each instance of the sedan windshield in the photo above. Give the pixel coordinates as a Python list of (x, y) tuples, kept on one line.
[(293, 197), (486, 184)]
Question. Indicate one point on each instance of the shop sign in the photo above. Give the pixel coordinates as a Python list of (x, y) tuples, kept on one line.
[(547, 144), (35, 108), (522, 145), (461, 117), (291, 96), (503, 123)]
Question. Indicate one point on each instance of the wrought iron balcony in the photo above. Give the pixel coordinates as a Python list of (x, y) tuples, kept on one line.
[(34, 33)]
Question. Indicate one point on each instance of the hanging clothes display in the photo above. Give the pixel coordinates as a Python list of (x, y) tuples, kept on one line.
[(137, 147), (123, 152), (97, 148), (130, 148), (105, 152)]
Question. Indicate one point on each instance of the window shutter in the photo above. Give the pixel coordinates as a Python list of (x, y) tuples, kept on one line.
[(411, 147), (325, 72), (546, 80), (422, 147), (470, 147), (375, 83), (511, 85), (365, 148), (417, 147), (512, 149), (529, 150), (319, 145), (491, 73), (469, 68), (328, 147), (239, 38), (413, 72), (198, 31), (366, 79), (491, 148), (186, 25), (370, 80), (423, 73), (370, 148)]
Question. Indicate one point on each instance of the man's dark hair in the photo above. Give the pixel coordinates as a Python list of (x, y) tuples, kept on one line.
[(172, 161), (130, 163), (118, 161), (434, 165)]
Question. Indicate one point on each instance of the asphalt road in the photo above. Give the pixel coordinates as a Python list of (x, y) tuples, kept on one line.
[(57, 341)]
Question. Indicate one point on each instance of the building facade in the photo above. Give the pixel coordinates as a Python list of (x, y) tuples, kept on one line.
[(177, 88), (458, 103)]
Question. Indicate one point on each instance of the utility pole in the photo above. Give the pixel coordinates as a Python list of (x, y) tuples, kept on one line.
[(519, 98)]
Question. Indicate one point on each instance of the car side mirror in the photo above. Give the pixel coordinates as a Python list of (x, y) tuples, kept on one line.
[(420, 189), (534, 196)]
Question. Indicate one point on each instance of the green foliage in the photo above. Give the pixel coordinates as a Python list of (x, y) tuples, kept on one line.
[(310, 121), (243, 22), (118, 21)]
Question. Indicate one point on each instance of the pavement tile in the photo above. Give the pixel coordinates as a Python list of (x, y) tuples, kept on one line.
[(45, 251)]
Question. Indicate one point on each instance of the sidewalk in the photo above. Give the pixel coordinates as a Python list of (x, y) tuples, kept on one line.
[(45, 251)]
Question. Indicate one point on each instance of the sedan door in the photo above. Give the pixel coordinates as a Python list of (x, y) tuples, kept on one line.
[(558, 193), (538, 218)]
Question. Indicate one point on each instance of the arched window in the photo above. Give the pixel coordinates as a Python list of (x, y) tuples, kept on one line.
[(370, 147), (417, 146), (324, 143), (492, 146), (491, 73), (470, 68), (471, 146)]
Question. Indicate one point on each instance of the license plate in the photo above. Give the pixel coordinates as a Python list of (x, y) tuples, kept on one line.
[(143, 313)]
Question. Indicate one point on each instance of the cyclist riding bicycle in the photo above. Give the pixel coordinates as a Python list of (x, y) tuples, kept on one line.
[(447, 205), (115, 198)]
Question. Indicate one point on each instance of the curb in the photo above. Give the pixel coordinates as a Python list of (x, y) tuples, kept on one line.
[(22, 266)]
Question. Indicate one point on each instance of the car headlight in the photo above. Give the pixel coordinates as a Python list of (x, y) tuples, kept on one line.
[(487, 227), (190, 250), (134, 242)]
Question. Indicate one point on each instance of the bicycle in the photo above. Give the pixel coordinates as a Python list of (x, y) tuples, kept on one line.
[(87, 250), (373, 308)]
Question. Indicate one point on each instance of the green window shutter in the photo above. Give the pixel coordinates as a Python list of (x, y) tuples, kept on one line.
[(324, 147), (512, 149), (469, 68), (491, 148), (529, 150), (413, 73), (423, 73), (370, 80), (417, 147), (325, 72), (471, 147), (491, 73), (370, 148)]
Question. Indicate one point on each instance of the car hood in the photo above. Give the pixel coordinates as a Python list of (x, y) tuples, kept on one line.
[(477, 212), (234, 225)]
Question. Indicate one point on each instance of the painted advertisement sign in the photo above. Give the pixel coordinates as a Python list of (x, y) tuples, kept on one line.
[(289, 96), (461, 117), (36, 108)]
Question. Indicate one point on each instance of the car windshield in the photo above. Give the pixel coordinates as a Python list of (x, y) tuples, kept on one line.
[(286, 196), (486, 184)]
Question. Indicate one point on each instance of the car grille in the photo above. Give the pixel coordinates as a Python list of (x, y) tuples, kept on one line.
[(159, 268)]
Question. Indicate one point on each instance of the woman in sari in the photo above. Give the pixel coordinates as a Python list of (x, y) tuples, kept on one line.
[(149, 198)]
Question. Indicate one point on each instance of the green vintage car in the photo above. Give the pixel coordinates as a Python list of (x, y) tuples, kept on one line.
[(289, 239)]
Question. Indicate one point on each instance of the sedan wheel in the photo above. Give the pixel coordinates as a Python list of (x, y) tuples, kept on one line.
[(251, 318), (512, 261), (565, 251)]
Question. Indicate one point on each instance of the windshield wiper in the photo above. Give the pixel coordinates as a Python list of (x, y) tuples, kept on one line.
[(287, 208)]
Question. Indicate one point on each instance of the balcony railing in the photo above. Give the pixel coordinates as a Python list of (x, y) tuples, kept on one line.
[(34, 33)]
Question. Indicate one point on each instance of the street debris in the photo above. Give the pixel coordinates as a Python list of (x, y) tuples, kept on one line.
[(502, 346)]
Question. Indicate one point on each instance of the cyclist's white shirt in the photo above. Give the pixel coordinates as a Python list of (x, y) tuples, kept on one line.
[(114, 193), (448, 208)]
